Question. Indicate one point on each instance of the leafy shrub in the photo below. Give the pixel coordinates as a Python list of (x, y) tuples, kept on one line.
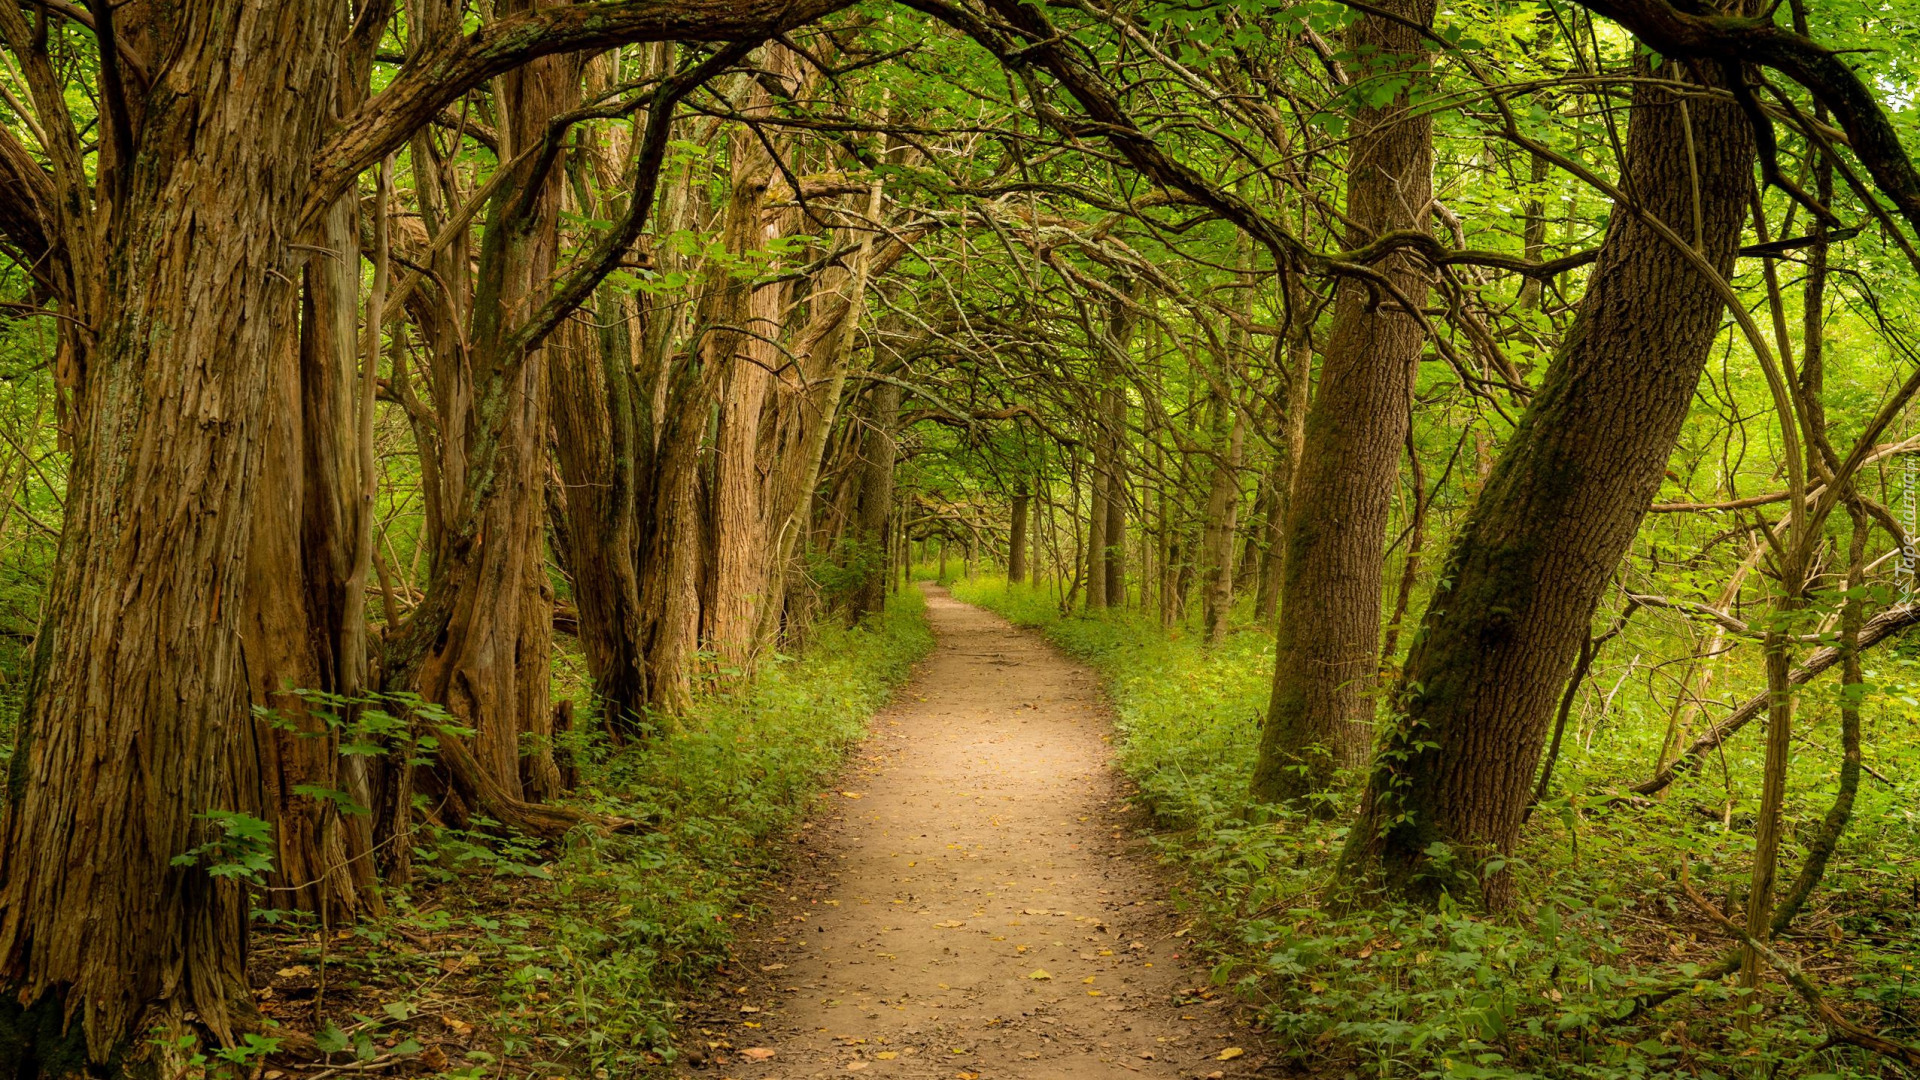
[(1547, 990)]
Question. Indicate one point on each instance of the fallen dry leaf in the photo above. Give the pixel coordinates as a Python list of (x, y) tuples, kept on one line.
[(1229, 1053), (1039, 973), (757, 1053), (949, 924)]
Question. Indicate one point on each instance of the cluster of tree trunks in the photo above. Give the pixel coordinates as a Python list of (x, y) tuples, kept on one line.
[(219, 543)]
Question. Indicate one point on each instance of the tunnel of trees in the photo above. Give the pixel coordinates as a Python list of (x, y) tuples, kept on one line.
[(398, 397)]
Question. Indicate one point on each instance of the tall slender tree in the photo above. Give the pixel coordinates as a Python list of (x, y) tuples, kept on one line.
[(1326, 666)]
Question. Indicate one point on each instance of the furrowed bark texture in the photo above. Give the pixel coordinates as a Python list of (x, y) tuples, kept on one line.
[(595, 446), (740, 578), (1557, 512), (305, 620), (490, 666), (136, 720), (1320, 716)]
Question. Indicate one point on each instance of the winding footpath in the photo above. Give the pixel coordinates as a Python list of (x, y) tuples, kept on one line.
[(973, 904)]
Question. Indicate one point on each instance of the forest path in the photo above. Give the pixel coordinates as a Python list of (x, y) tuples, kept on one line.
[(973, 905)]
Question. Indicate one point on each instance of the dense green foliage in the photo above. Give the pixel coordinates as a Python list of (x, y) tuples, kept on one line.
[(1548, 990), (581, 956)]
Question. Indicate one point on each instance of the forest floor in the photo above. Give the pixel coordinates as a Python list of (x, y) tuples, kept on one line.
[(976, 903)]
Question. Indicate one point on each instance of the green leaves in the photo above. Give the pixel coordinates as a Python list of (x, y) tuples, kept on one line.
[(242, 849)]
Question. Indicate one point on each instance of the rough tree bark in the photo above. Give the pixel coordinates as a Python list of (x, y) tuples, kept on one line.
[(136, 723), (596, 431), (1320, 717), (1557, 512), (305, 620), (490, 664), (741, 582)]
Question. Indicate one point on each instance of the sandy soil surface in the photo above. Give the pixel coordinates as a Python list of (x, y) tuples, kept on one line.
[(974, 904)]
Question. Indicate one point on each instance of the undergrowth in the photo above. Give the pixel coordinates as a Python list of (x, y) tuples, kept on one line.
[(505, 958), (1545, 990)]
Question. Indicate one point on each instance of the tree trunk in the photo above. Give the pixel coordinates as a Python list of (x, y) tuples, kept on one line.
[(1557, 512), (1017, 540), (741, 568), (1223, 505), (135, 724), (306, 628), (1533, 232), (490, 664), (298, 600), (1293, 428), (873, 514), (1116, 530), (596, 432), (1321, 714), (1097, 520)]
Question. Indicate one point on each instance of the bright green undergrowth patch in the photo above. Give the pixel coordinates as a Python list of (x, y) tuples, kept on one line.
[(1543, 991), (570, 963)]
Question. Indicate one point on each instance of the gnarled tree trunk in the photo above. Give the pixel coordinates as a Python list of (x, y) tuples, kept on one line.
[(136, 723)]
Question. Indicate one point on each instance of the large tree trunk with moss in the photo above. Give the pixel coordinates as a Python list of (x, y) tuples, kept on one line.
[(1558, 511), (1320, 717), (135, 725)]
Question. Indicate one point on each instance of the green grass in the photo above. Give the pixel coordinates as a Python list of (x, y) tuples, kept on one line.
[(1540, 991), (572, 963)]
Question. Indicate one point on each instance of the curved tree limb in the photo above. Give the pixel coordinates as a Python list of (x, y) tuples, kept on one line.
[(1876, 630), (431, 81), (1819, 69)]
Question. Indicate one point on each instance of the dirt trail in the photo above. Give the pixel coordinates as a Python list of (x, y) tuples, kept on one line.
[(974, 906)]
